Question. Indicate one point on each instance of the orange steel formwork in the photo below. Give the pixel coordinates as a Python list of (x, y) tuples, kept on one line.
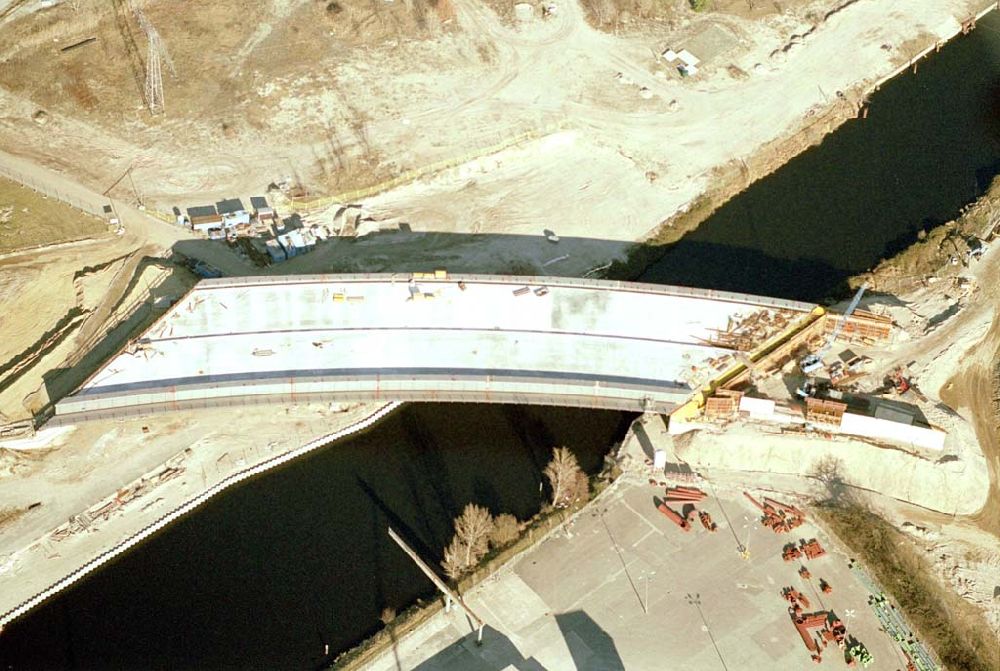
[(823, 411)]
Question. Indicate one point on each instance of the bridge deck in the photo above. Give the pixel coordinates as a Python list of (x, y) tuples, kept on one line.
[(469, 338)]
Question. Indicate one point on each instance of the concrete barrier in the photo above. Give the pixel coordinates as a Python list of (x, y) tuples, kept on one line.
[(187, 507)]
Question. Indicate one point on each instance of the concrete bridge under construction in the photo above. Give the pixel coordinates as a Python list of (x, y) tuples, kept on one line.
[(435, 337)]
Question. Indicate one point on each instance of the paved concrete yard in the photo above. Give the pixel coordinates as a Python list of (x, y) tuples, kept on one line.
[(576, 600)]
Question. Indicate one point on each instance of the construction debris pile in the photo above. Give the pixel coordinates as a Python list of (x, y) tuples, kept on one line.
[(779, 517), (115, 504), (687, 496)]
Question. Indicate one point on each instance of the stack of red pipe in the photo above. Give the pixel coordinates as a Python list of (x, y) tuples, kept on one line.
[(685, 494), (812, 549), (674, 516)]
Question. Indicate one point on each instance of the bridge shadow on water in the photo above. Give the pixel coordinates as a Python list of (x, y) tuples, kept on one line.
[(689, 262)]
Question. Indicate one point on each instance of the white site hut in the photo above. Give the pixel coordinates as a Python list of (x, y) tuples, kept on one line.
[(688, 62)]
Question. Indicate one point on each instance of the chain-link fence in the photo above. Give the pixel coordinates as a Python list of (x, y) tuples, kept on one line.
[(84, 205)]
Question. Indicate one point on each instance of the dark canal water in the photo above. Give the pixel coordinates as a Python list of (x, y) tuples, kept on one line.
[(267, 574), (930, 144)]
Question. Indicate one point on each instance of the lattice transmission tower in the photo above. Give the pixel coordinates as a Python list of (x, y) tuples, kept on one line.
[(156, 50)]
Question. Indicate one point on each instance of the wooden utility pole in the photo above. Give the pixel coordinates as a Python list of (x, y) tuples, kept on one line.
[(450, 597)]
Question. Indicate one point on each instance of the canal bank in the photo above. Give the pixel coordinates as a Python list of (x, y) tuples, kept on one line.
[(836, 204), (187, 507), (922, 72), (300, 557)]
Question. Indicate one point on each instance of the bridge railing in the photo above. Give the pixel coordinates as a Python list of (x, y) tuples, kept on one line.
[(534, 280)]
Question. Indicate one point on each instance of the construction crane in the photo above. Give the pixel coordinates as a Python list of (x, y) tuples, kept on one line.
[(156, 50), (813, 362)]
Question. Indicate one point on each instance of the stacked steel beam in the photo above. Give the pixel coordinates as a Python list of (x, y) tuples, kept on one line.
[(779, 517)]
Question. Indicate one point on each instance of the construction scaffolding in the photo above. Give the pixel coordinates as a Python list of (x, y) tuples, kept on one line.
[(823, 411), (725, 404), (861, 326)]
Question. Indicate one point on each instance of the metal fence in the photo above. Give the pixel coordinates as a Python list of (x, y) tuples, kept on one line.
[(40, 187)]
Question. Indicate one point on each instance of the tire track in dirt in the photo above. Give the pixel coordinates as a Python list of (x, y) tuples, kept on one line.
[(977, 387)]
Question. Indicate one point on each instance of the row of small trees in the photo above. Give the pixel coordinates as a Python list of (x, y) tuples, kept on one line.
[(476, 530)]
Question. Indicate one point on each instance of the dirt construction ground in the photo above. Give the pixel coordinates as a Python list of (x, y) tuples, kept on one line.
[(325, 97), (28, 219), (331, 95)]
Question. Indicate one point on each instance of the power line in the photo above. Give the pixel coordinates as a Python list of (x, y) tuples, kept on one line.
[(154, 52)]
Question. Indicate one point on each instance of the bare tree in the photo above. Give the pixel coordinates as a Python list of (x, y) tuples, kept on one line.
[(564, 474), (579, 488), (505, 530), (454, 558), (471, 540), (473, 527)]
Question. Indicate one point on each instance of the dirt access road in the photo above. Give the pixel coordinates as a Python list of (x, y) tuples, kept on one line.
[(629, 123), (89, 283)]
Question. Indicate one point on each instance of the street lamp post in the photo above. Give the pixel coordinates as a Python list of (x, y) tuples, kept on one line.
[(695, 600)]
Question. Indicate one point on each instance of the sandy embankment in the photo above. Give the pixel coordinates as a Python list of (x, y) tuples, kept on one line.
[(151, 465), (917, 479), (711, 126), (944, 330)]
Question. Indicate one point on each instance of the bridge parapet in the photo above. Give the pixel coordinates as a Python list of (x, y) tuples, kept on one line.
[(556, 341)]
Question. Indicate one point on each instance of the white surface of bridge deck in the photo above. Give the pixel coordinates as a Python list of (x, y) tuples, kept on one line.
[(575, 342)]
